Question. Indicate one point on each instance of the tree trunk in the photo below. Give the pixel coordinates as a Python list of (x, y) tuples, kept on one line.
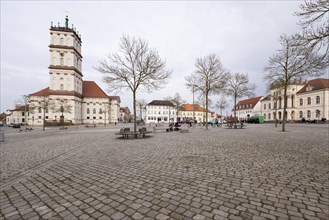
[(234, 111), (206, 111), (284, 107), (134, 106)]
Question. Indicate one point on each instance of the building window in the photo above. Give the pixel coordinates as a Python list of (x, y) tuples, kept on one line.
[(100, 111), (40, 117), (62, 87), (88, 117), (269, 105), (264, 106), (300, 102), (308, 114), (88, 111), (39, 109), (94, 117), (94, 111), (300, 114), (264, 116), (269, 116), (308, 100), (100, 117), (23, 114), (318, 100), (318, 113), (292, 101)]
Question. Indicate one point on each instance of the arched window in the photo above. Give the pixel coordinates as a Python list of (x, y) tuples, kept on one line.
[(88, 111), (300, 114), (318, 100), (318, 113), (308, 114), (94, 111), (308, 100), (301, 102)]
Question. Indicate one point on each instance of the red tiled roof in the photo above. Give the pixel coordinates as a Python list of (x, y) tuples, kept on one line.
[(92, 90), (189, 107), (43, 92), (252, 101), (89, 89), (315, 84)]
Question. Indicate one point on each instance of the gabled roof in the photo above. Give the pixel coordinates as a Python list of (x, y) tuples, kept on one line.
[(161, 103), (91, 90), (252, 101), (189, 107), (315, 84)]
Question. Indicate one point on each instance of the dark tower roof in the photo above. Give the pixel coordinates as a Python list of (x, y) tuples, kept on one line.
[(66, 28)]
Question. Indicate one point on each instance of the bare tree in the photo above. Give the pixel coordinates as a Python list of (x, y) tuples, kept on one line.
[(315, 27), (221, 104), (62, 106), (43, 102), (208, 78), (141, 103), (290, 64), (23, 101), (238, 86), (135, 67), (177, 100)]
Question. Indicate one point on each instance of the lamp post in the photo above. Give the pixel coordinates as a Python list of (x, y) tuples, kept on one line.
[(25, 107), (193, 105)]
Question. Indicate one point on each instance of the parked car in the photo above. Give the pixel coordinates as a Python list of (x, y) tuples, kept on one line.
[(16, 126)]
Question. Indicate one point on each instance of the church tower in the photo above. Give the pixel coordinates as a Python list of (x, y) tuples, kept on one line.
[(65, 60)]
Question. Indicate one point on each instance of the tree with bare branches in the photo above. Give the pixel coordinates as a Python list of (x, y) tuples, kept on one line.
[(208, 78), (314, 22), (141, 103), (238, 86), (61, 106), (290, 64), (134, 67), (24, 101), (177, 100), (221, 104)]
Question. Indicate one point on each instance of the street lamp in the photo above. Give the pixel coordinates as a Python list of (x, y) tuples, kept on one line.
[(25, 107)]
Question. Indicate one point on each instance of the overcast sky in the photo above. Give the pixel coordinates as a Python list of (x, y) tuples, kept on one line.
[(244, 34)]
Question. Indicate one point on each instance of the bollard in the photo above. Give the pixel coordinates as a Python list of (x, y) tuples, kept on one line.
[(2, 137)]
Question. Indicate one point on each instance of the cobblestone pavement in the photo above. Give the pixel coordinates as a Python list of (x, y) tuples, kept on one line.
[(252, 173)]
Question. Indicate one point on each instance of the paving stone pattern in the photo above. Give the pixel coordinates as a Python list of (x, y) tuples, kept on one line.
[(252, 173)]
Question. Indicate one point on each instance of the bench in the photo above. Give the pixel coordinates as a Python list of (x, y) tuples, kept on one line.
[(143, 132), (89, 126), (159, 128), (231, 125), (125, 132)]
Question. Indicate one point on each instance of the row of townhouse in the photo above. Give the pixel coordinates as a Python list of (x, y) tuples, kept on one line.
[(305, 101), (165, 111)]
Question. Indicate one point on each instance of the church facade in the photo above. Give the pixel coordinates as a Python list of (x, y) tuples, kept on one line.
[(69, 97)]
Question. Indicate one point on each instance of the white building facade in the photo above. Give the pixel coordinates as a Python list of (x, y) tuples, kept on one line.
[(248, 107), (160, 111), (308, 100)]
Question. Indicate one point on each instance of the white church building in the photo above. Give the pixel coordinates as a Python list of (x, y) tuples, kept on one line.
[(68, 94)]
